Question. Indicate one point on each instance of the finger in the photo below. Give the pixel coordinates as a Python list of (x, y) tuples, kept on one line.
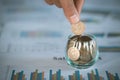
[(57, 3), (70, 10), (50, 2), (79, 5)]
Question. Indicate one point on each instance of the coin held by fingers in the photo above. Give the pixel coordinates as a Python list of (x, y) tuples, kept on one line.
[(78, 28)]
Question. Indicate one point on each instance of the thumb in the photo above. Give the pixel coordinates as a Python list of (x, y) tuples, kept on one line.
[(70, 11)]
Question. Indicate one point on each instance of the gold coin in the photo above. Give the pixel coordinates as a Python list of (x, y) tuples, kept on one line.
[(73, 53), (78, 28)]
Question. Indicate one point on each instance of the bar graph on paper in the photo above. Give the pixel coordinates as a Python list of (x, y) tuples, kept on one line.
[(59, 75)]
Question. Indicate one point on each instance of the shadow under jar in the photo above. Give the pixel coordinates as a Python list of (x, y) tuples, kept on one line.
[(82, 51)]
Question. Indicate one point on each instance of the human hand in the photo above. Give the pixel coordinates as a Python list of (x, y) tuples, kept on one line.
[(72, 8)]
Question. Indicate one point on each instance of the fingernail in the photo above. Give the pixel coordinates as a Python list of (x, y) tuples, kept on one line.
[(74, 19)]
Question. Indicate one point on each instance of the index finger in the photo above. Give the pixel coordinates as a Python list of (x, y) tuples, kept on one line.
[(70, 10), (50, 2), (79, 5)]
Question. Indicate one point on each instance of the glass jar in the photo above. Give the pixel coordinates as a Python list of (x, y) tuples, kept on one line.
[(82, 51)]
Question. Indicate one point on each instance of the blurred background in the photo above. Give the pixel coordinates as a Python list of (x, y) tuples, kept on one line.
[(34, 34)]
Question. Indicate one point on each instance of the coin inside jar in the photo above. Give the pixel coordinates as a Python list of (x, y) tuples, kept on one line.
[(78, 28), (82, 51), (73, 53)]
